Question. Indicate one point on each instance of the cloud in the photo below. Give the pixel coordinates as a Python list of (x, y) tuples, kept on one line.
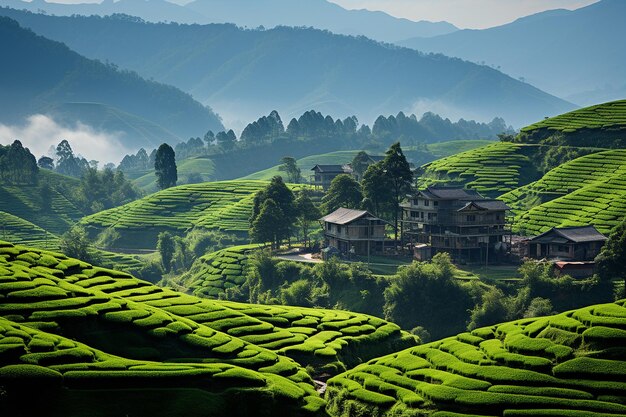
[(40, 132)]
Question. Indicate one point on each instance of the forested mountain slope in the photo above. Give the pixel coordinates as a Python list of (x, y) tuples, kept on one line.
[(566, 53), (43, 76), (320, 14), (235, 70)]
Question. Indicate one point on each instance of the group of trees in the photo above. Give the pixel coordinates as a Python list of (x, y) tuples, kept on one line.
[(432, 127), (104, 189), (382, 189), (17, 164), (278, 214)]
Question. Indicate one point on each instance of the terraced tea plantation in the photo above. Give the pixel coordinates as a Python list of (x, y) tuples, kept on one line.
[(25, 201), (215, 272), (143, 325), (588, 190), (610, 115), (224, 205), (204, 167), (571, 364), (491, 170)]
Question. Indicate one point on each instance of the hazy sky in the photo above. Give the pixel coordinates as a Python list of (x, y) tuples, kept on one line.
[(475, 14)]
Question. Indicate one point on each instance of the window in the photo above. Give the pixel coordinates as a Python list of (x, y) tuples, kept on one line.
[(432, 216), (415, 202), (329, 226), (415, 214), (427, 203), (562, 248), (421, 214), (471, 218), (338, 229)]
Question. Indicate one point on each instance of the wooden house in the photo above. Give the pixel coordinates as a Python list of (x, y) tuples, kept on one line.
[(455, 220), (567, 244), (355, 232), (323, 175)]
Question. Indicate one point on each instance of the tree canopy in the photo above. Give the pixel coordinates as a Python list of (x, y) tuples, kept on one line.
[(344, 191), (165, 167)]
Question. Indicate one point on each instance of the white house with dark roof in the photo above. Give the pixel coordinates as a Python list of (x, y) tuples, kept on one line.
[(455, 220), (577, 244), (354, 231)]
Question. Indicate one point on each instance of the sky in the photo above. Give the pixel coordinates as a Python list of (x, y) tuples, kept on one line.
[(465, 14)]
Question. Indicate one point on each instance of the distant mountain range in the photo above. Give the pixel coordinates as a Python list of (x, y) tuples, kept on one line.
[(577, 55), (246, 73), (320, 14), (40, 76)]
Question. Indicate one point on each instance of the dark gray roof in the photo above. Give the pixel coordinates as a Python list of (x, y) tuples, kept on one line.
[(328, 168), (495, 205), (572, 234), (344, 216), (452, 193)]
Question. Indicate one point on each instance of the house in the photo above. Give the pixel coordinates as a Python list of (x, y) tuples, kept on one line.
[(323, 175), (355, 232), (567, 244), (371, 159), (574, 269), (455, 220)]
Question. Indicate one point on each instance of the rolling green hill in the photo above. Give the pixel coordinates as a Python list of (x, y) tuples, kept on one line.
[(204, 166), (139, 324), (224, 205), (434, 151), (129, 334), (491, 170), (602, 125), (588, 190), (571, 364), (24, 201), (213, 273)]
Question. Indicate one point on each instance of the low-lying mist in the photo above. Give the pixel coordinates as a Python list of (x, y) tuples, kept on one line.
[(39, 132)]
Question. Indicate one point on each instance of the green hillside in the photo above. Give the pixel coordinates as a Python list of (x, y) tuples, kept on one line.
[(224, 205), (23, 232), (571, 364), (215, 272), (121, 327), (305, 164), (491, 170), (204, 166), (602, 125), (24, 200), (434, 151), (588, 190)]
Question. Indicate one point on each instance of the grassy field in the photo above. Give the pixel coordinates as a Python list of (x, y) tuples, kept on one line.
[(588, 190), (491, 170), (224, 206), (25, 202), (571, 364)]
